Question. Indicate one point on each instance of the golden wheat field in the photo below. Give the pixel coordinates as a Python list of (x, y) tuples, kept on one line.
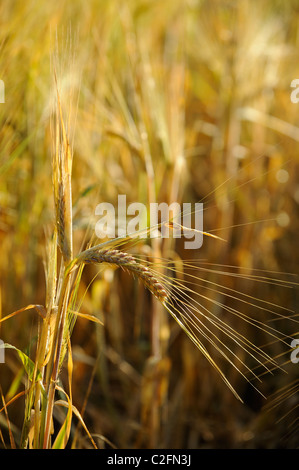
[(138, 341)]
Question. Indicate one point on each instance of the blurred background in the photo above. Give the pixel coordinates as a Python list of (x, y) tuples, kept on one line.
[(175, 101)]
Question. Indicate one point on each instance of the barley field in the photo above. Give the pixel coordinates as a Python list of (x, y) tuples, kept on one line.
[(135, 341)]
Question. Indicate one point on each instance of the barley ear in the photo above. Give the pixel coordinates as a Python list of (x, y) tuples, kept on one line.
[(62, 168), (128, 262)]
